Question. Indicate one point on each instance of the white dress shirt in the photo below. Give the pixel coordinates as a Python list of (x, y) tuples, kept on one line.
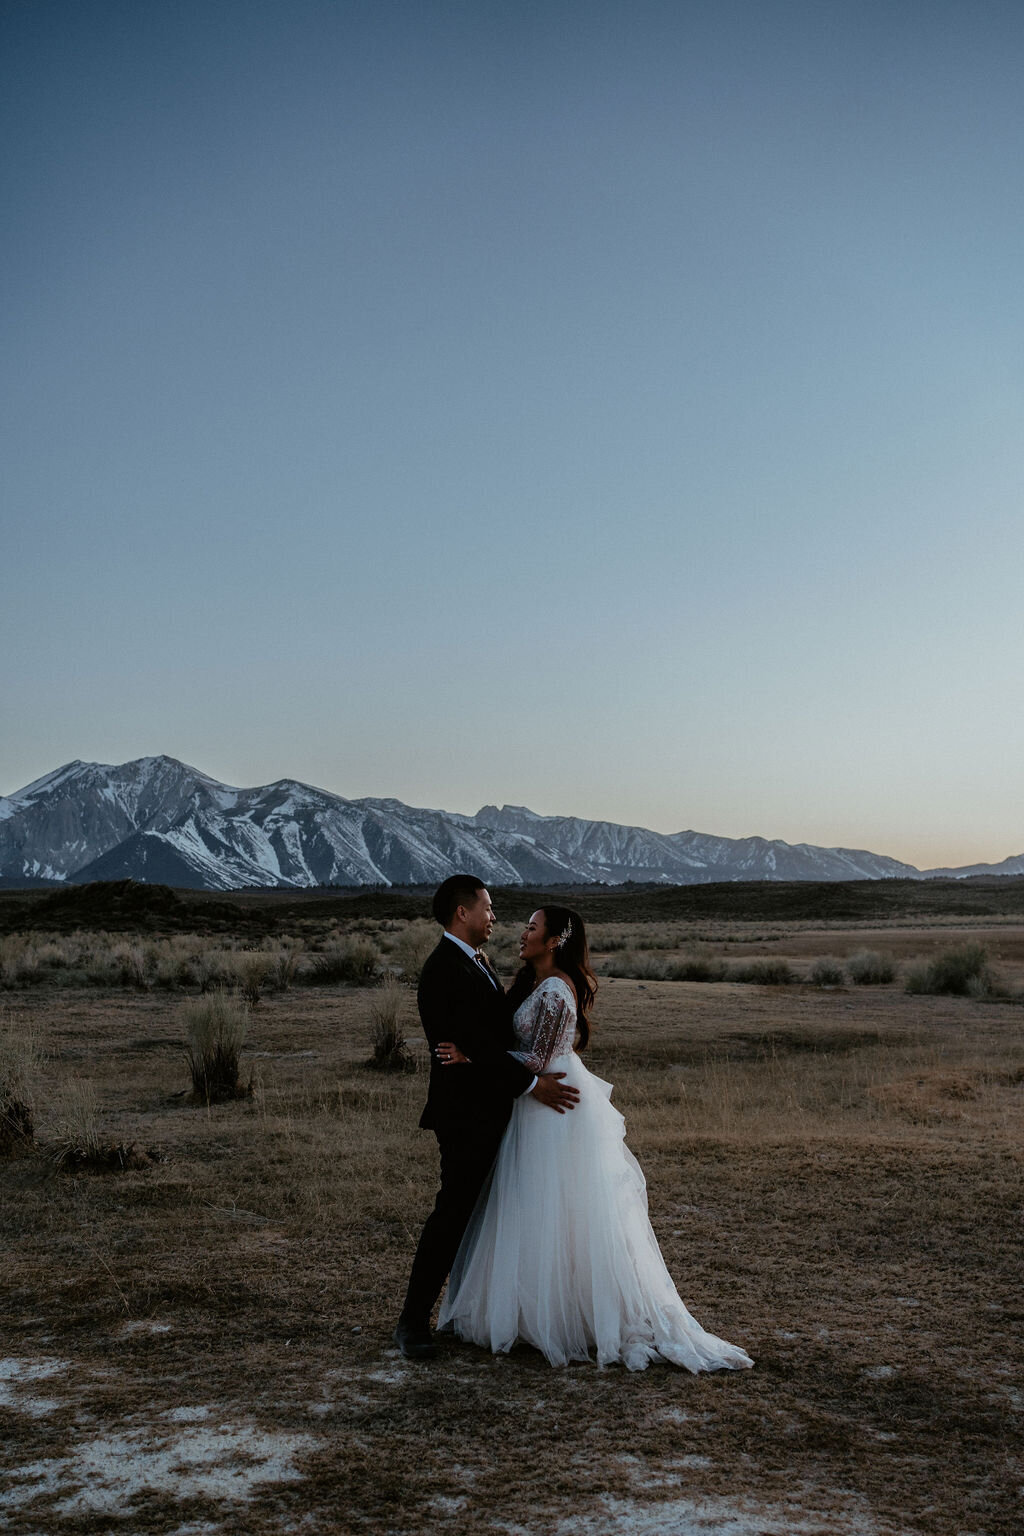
[(467, 950)]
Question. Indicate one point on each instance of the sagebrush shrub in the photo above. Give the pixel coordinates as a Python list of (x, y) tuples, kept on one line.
[(772, 972), (412, 946), (129, 964), (354, 960), (19, 961), (868, 968), (962, 971), (697, 968), (636, 967), (826, 972)]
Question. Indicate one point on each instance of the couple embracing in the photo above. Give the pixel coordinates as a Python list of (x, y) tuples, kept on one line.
[(540, 1224)]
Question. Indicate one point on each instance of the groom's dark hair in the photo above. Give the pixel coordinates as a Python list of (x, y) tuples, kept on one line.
[(455, 892)]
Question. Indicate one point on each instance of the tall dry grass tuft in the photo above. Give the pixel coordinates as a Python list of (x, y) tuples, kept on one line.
[(19, 1055), (253, 971), (284, 968), (390, 1053), (215, 1026), (77, 1135)]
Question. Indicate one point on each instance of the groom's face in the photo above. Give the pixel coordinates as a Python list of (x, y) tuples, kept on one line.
[(479, 919)]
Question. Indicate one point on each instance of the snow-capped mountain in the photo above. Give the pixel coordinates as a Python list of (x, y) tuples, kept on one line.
[(156, 819)]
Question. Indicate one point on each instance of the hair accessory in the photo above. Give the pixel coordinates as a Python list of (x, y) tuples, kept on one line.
[(565, 935)]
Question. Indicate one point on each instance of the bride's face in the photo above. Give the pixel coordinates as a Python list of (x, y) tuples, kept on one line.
[(534, 940)]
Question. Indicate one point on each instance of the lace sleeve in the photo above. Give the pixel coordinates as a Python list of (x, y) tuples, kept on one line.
[(552, 1031)]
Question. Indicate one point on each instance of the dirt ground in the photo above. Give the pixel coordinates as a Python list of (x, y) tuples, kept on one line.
[(202, 1344)]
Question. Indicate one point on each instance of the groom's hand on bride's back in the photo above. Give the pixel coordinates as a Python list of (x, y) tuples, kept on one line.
[(550, 1090)]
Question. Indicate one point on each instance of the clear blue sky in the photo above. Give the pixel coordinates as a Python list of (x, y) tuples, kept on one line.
[(616, 408)]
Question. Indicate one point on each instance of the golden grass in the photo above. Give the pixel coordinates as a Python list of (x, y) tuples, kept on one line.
[(835, 1178), (215, 1029)]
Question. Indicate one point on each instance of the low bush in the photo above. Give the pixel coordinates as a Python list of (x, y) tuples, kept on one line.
[(356, 960), (636, 967), (215, 1029), (503, 949), (390, 1053), (868, 968), (963, 971), (284, 969), (765, 973), (129, 964), (412, 946), (19, 961), (827, 972), (697, 968)]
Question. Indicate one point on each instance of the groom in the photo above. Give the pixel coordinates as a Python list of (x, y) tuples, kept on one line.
[(468, 1106)]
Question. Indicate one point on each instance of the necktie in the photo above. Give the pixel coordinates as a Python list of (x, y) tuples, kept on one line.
[(482, 963)]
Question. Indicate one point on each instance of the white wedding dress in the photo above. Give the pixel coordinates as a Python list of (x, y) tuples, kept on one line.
[(559, 1251)]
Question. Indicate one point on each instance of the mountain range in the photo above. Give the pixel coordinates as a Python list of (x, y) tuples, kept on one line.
[(158, 820)]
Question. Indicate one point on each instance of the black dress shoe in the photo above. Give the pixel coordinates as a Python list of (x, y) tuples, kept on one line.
[(414, 1342)]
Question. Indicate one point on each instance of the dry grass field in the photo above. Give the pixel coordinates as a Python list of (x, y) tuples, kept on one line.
[(199, 1342)]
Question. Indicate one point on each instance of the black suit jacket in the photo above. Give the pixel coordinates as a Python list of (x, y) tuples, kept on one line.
[(457, 1002)]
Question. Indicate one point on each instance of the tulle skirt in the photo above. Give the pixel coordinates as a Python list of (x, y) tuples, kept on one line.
[(560, 1251)]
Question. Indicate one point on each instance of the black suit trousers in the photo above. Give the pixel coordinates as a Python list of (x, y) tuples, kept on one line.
[(467, 1156)]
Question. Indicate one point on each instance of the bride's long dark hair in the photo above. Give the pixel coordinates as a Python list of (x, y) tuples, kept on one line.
[(573, 957)]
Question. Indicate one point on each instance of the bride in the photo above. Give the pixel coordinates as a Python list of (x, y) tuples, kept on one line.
[(559, 1251)]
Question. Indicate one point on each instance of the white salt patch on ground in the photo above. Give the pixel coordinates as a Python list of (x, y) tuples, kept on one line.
[(35, 1407), (390, 1378), (226, 1463), (31, 1370), (15, 1378), (715, 1517), (447, 1506)]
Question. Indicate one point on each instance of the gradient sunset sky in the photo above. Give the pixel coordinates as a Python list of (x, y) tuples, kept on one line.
[(613, 408)]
